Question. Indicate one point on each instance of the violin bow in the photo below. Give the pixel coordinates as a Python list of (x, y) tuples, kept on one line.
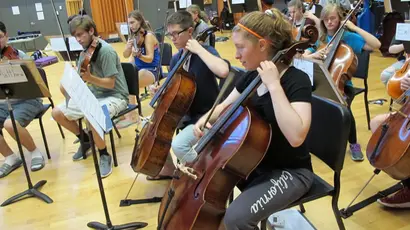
[(60, 28), (161, 50)]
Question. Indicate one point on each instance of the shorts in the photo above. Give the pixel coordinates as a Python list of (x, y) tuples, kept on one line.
[(24, 111)]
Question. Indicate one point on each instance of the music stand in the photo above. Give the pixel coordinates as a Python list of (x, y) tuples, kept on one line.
[(108, 226), (98, 118), (13, 88), (323, 84)]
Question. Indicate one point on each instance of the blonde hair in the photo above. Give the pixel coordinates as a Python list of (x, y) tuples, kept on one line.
[(196, 9), (298, 4), (270, 25), (139, 17), (329, 8)]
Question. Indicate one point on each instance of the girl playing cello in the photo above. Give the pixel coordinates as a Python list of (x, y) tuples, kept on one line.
[(283, 101), (358, 40)]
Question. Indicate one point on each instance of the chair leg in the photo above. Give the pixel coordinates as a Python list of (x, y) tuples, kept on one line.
[(338, 216), (114, 154), (61, 131), (263, 224), (116, 131), (302, 208), (80, 124), (366, 106), (44, 137), (335, 199)]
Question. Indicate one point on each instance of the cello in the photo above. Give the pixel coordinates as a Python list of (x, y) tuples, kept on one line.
[(341, 61), (388, 147), (227, 153), (173, 100), (393, 85), (304, 21)]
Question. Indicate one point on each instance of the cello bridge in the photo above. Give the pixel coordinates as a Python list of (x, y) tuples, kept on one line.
[(190, 172)]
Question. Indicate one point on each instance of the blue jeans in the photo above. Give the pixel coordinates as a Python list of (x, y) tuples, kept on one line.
[(182, 145), (389, 71)]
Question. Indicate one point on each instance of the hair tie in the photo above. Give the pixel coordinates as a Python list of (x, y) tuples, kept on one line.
[(269, 13)]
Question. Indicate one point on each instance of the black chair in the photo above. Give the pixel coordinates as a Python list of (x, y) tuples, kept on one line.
[(212, 40), (166, 58), (239, 72), (362, 73), (327, 139), (131, 76), (46, 107)]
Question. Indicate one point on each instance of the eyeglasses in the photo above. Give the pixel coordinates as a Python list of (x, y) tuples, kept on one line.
[(175, 35)]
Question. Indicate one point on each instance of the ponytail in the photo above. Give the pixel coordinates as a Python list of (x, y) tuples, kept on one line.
[(201, 14)]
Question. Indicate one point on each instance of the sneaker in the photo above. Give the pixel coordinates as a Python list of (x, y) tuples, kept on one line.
[(6, 169), (105, 165), (79, 154), (400, 199), (356, 152)]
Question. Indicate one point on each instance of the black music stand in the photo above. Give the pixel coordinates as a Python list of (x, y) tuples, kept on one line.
[(108, 226), (89, 115), (34, 87), (323, 84)]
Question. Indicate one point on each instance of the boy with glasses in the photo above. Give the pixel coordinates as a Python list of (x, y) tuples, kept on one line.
[(204, 64)]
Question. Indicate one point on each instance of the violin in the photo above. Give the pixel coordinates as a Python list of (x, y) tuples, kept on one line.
[(393, 85), (90, 54), (9, 53), (227, 153)]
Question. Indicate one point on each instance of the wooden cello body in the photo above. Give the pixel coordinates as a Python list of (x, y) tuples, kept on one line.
[(201, 203), (154, 142), (343, 65), (388, 147), (173, 101), (393, 85)]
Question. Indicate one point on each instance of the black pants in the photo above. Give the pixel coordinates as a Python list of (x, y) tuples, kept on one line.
[(349, 91)]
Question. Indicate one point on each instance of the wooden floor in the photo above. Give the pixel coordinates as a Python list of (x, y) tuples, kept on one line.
[(74, 189)]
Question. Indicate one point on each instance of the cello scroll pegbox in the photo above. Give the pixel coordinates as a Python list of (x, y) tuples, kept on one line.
[(310, 32)]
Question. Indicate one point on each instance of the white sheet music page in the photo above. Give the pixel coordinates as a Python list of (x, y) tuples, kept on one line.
[(403, 31), (10, 74), (82, 96), (305, 66)]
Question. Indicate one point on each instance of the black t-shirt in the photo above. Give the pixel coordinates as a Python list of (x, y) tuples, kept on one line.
[(281, 154), (206, 85)]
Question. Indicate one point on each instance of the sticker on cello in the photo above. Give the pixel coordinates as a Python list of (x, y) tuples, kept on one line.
[(403, 31)]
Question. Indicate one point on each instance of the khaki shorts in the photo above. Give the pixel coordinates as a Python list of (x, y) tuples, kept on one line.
[(73, 113)]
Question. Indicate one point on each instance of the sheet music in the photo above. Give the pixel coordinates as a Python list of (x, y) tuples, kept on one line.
[(403, 31), (124, 29), (238, 2), (85, 100), (58, 44), (305, 66), (11, 74), (184, 3)]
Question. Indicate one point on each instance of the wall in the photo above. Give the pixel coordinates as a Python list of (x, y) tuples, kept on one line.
[(27, 20)]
